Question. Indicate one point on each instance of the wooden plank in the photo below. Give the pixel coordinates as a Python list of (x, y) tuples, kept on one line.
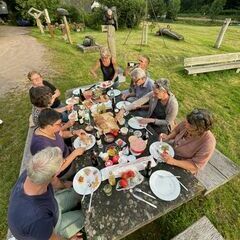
[(211, 178), (203, 229), (209, 59), (212, 68), (227, 167)]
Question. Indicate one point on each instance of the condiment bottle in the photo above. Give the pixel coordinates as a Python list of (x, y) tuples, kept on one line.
[(98, 140), (112, 179), (148, 170)]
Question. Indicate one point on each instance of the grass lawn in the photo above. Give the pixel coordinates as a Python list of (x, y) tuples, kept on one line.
[(218, 91)]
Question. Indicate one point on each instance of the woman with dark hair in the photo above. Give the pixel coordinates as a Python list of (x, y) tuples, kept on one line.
[(41, 98), (192, 140), (49, 134)]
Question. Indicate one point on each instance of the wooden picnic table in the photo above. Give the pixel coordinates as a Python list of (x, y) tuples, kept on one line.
[(116, 216)]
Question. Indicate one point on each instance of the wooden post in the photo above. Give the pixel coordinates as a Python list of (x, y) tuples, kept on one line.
[(48, 21), (67, 29), (39, 24), (222, 32), (111, 40), (144, 33)]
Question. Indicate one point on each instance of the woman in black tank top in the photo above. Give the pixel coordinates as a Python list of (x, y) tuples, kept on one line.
[(107, 64)]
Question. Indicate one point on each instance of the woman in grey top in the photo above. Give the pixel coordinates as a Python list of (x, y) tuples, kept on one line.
[(163, 107)]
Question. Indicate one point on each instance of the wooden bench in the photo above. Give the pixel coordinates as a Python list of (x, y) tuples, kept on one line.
[(217, 172), (212, 63), (203, 229)]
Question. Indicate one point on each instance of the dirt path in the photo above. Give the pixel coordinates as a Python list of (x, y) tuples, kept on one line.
[(19, 54)]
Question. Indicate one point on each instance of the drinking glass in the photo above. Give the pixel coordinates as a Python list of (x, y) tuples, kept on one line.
[(108, 189)]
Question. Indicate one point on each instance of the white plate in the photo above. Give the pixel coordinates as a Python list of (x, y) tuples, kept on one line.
[(121, 104), (72, 101), (133, 123), (106, 84), (77, 91), (164, 187), (155, 150), (116, 92), (78, 143), (90, 175)]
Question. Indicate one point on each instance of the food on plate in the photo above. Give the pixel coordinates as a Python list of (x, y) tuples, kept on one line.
[(89, 128), (85, 138), (106, 84), (73, 116), (124, 175), (165, 149), (109, 138), (87, 171), (137, 145), (123, 183), (73, 100), (112, 151), (103, 98), (95, 182), (105, 122), (115, 159), (88, 94), (81, 179), (131, 174), (88, 103)]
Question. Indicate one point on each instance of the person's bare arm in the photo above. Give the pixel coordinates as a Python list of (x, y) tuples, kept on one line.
[(93, 71), (56, 94), (115, 69)]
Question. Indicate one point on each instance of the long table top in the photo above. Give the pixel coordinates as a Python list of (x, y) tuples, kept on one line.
[(116, 216)]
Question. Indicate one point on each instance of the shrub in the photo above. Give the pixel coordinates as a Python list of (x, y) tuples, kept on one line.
[(216, 7), (157, 8), (173, 7), (130, 12)]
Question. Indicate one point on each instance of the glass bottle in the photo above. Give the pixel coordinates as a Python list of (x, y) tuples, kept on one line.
[(148, 170), (94, 158), (112, 96), (112, 179)]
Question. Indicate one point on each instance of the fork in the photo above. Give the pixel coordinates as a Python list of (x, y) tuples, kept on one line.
[(90, 203), (88, 186), (140, 190)]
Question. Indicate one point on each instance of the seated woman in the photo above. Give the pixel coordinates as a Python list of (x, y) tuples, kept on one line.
[(140, 87), (108, 67), (192, 140), (162, 110), (35, 211), (37, 81), (49, 134), (41, 98)]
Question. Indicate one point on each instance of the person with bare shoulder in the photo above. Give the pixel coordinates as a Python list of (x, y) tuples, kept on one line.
[(192, 141), (35, 211)]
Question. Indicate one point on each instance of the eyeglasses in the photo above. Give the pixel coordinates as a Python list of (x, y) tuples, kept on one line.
[(157, 86)]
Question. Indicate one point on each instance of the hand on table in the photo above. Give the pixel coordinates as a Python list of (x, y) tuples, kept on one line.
[(167, 158), (67, 184), (120, 115), (79, 151), (69, 107), (124, 96), (77, 236), (146, 120), (79, 132), (163, 136)]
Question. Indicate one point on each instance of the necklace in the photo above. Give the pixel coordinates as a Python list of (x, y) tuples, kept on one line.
[(49, 136)]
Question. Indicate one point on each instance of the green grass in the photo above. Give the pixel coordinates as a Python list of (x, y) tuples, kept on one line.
[(218, 91)]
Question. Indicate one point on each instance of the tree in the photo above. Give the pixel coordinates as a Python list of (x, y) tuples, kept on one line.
[(130, 12), (216, 7), (173, 7), (157, 8), (23, 6)]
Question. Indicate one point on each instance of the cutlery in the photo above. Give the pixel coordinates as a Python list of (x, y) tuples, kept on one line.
[(168, 176), (160, 144), (183, 186), (88, 186), (90, 203), (139, 190), (148, 131), (90, 87), (141, 199)]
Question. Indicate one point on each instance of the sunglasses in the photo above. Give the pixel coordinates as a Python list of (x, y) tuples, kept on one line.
[(196, 115)]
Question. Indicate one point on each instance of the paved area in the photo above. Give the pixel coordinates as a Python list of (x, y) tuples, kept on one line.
[(19, 54)]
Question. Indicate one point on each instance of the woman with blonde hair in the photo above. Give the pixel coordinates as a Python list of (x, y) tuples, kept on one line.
[(108, 66)]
